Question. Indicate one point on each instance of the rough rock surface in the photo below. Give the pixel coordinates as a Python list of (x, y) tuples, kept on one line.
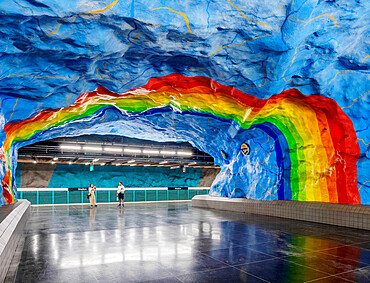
[(52, 51)]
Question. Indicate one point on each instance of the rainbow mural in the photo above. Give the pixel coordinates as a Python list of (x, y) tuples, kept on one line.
[(314, 140)]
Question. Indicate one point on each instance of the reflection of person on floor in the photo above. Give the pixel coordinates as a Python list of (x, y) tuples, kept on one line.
[(92, 190), (121, 194), (92, 219)]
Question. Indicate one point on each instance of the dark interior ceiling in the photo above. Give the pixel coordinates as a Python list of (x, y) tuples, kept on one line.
[(116, 151)]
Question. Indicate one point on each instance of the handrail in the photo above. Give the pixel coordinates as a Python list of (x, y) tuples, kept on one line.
[(105, 189)]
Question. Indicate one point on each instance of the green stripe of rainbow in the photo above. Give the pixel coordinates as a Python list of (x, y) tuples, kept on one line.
[(322, 143)]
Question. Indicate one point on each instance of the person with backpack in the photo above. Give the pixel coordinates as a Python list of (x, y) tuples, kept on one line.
[(121, 194)]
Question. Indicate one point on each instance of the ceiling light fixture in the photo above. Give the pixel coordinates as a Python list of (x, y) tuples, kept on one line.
[(132, 150), (91, 148), (113, 149), (184, 153), (168, 152), (70, 147), (151, 151)]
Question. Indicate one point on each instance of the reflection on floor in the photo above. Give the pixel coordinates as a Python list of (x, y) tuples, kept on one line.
[(172, 242)]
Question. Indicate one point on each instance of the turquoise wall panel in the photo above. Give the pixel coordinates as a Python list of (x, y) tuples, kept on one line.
[(79, 176)]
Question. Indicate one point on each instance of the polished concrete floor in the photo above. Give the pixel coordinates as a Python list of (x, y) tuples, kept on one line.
[(173, 242)]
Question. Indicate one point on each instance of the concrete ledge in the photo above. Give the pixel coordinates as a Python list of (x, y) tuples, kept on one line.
[(352, 216), (13, 219)]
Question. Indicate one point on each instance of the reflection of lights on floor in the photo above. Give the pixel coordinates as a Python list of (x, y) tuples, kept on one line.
[(70, 239), (35, 245), (102, 235)]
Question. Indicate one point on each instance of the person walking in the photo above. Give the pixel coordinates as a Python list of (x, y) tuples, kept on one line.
[(92, 190), (121, 194)]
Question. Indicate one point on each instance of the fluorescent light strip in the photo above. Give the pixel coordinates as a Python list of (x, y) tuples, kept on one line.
[(132, 150), (163, 162), (168, 152), (71, 147), (113, 149), (184, 153), (151, 151), (92, 148), (131, 161)]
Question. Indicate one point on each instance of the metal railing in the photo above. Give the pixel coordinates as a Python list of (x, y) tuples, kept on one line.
[(49, 196)]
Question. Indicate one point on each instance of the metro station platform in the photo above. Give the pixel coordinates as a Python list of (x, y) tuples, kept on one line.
[(173, 242)]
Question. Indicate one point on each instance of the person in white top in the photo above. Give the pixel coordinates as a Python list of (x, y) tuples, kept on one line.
[(92, 190), (121, 194)]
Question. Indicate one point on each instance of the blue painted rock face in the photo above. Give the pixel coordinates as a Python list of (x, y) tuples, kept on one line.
[(53, 51)]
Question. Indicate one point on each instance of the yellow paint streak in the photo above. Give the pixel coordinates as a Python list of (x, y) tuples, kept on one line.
[(259, 85), (88, 46), (306, 22), (16, 102), (136, 38), (97, 71), (363, 141), (68, 98), (174, 125), (268, 138), (111, 11), (189, 69), (105, 65), (353, 101), (236, 45), (78, 15), (180, 13), (363, 184), (283, 76), (367, 56), (263, 162), (323, 15), (247, 17), (105, 117), (268, 192), (343, 72), (36, 77)]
